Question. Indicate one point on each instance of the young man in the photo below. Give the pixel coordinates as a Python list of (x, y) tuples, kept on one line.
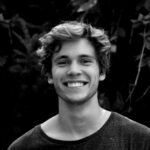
[(75, 58)]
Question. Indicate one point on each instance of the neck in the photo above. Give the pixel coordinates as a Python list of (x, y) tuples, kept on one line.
[(81, 120)]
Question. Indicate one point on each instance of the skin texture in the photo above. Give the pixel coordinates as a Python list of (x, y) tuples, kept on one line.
[(76, 75), (75, 62)]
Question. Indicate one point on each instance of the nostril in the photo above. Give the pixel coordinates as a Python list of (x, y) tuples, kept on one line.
[(65, 83), (73, 72)]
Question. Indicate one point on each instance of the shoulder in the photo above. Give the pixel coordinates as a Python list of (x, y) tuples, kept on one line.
[(131, 127), (23, 141)]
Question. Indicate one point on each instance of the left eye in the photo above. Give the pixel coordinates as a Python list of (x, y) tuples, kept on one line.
[(85, 61), (62, 62)]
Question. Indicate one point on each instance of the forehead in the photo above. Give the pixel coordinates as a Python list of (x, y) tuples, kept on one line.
[(76, 48)]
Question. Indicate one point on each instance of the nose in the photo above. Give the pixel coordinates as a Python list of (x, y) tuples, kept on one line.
[(74, 69)]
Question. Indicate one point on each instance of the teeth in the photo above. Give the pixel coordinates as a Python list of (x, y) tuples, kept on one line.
[(75, 84)]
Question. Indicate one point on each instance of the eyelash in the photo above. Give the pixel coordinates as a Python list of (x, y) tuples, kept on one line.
[(63, 62), (86, 61), (66, 62)]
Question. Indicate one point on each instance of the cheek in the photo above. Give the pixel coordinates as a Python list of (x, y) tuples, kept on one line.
[(57, 75), (95, 77), (95, 71), (55, 72)]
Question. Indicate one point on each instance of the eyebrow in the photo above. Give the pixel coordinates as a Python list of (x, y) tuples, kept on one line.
[(88, 56), (80, 56), (60, 57)]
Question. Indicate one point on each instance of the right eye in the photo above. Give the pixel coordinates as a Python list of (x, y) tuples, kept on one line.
[(62, 62)]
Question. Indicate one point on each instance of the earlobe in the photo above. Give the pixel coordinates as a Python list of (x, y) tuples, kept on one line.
[(50, 80), (102, 77)]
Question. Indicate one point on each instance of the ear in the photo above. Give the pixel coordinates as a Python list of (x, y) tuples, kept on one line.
[(102, 76), (50, 80)]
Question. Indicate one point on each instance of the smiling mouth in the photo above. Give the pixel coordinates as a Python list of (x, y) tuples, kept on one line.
[(75, 84)]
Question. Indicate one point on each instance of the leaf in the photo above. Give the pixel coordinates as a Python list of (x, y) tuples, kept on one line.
[(140, 17), (138, 57), (20, 60), (4, 24), (15, 68), (142, 34), (136, 24), (134, 21), (3, 60), (147, 43), (148, 33), (147, 4), (77, 3), (18, 52), (113, 48), (83, 5), (146, 22), (86, 6), (147, 17), (1, 17), (140, 20), (21, 40), (121, 32), (146, 61), (119, 103), (114, 38)]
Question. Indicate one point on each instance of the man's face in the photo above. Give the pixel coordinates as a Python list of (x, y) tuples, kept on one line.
[(75, 72)]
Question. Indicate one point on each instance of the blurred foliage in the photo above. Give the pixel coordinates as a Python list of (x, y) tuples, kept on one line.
[(121, 23), (22, 60), (83, 5), (142, 25), (117, 21)]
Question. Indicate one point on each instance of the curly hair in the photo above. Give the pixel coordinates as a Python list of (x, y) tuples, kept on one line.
[(52, 41)]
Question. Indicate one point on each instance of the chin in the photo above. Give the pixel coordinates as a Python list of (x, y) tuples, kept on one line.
[(76, 100)]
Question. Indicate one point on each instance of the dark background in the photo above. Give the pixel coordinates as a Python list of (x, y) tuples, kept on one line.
[(27, 99)]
